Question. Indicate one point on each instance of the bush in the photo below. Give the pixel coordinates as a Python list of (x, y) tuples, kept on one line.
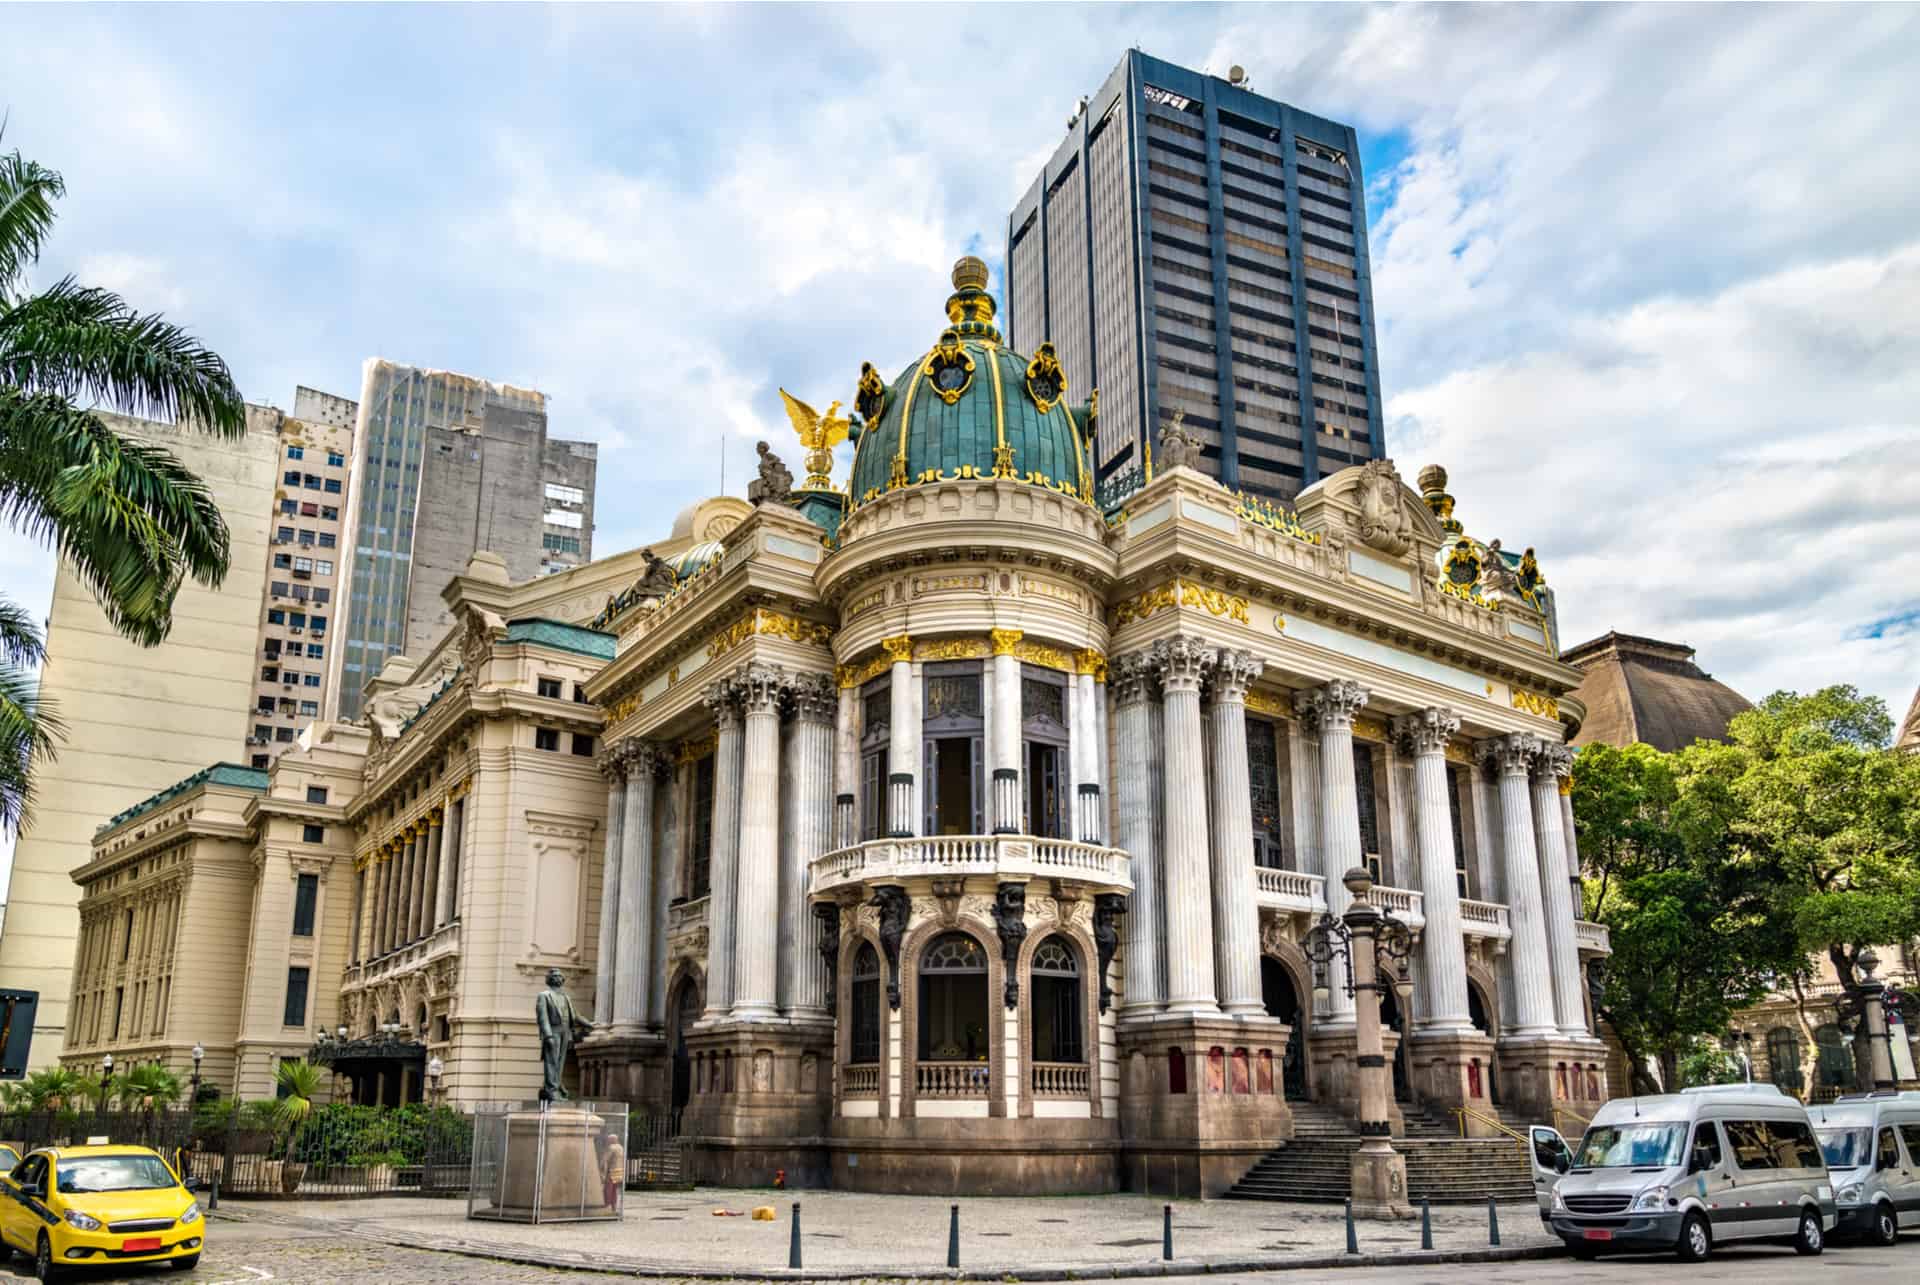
[(344, 1134)]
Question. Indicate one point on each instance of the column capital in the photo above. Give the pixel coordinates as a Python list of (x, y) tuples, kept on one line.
[(721, 697), (761, 688), (815, 698), (645, 758), (1183, 663), (437, 817), (899, 648), (1133, 678), (1005, 640), (1333, 704), (1555, 761), (1426, 731), (1232, 674), (1090, 661), (1509, 755)]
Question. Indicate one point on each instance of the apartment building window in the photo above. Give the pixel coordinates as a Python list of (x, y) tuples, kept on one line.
[(308, 509), (311, 481), (306, 539), (319, 622), (559, 543), (284, 534), (276, 616), (583, 745), (330, 513), (324, 567), (261, 731), (315, 651), (291, 477), (269, 673), (313, 680), (272, 649), (299, 564), (261, 760), (278, 588), (296, 1014), (549, 688), (283, 559), (289, 507), (566, 518), (566, 494), (328, 539), (333, 486), (336, 460), (310, 709), (296, 452), (322, 595), (313, 834), (284, 735), (546, 738), (297, 619), (264, 705), (316, 794), (306, 892)]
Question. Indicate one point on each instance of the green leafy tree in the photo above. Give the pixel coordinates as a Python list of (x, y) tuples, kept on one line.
[(129, 518), (1697, 925), (149, 1087), (299, 1082)]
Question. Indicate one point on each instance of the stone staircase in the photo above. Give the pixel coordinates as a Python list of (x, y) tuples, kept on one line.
[(1441, 1166)]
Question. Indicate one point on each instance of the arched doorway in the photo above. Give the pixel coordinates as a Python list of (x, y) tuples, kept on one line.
[(1477, 1013), (1391, 1019), (686, 1011), (1283, 1002), (1783, 1060), (954, 1007), (1833, 1064)]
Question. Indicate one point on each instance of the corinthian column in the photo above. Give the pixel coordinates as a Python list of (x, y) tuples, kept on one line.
[(846, 768), (1332, 707), (1442, 978), (808, 808), (722, 698), (614, 768), (377, 872), (1133, 690), (666, 885), (436, 867), (903, 741), (635, 952), (1004, 752), (1563, 948), (1183, 665), (756, 925), (1509, 758), (1236, 912), (418, 921), (1089, 815)]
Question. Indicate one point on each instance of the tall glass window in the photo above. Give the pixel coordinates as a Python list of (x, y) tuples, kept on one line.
[(1043, 731), (1456, 783), (1263, 793), (1363, 799), (1057, 1011), (700, 849), (866, 1006), (953, 726), (876, 714), (954, 1008)]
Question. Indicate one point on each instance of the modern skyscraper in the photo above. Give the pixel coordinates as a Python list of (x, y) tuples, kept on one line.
[(443, 465), (1193, 247)]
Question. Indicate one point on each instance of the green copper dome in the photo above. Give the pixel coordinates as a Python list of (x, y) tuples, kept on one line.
[(971, 407)]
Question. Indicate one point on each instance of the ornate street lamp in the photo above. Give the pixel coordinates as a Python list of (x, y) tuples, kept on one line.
[(1871, 994), (193, 1094), (1373, 947), (434, 1069), (106, 1080)]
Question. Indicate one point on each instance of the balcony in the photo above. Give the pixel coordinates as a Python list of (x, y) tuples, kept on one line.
[(1592, 938), (958, 856), (1486, 919), (1296, 893), (405, 959)]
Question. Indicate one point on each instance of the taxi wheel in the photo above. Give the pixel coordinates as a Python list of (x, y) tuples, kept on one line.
[(44, 1269), (1696, 1241), (1811, 1238), (1886, 1228)]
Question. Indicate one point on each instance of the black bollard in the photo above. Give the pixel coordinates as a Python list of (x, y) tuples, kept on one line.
[(1493, 1222), (1426, 1224), (793, 1239), (1166, 1232), (1353, 1241), (213, 1193), (953, 1237)]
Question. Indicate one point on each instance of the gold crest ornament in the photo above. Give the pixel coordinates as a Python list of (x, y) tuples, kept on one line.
[(819, 434), (870, 397), (948, 368), (1046, 382)]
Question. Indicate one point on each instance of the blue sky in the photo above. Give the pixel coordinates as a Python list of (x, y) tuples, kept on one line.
[(1648, 279)]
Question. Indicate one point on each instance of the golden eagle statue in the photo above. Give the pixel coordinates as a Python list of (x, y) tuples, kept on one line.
[(819, 434)]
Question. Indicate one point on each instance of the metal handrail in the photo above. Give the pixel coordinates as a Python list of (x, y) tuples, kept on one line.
[(1585, 1121), (1461, 1114)]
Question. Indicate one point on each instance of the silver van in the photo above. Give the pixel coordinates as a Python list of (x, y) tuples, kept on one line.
[(1685, 1171), (1872, 1145)]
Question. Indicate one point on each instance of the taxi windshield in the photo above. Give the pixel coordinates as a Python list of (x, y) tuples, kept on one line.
[(1640, 1144), (1844, 1148), (83, 1174)]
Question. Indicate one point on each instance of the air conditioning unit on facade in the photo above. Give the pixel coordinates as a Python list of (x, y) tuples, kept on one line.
[(293, 629)]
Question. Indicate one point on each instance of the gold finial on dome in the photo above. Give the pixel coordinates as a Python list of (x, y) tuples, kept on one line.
[(970, 274)]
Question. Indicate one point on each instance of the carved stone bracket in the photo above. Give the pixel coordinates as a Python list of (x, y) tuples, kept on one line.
[(1010, 921), (894, 908), (829, 916), (1107, 909)]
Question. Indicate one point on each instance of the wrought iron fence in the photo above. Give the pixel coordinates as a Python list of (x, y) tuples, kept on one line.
[(657, 1152)]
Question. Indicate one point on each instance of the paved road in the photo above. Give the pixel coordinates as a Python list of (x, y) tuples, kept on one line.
[(1759, 1266)]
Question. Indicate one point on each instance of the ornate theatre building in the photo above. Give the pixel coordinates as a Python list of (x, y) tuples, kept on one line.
[(955, 829)]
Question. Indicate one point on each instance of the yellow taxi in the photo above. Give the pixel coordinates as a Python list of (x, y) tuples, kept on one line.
[(99, 1206)]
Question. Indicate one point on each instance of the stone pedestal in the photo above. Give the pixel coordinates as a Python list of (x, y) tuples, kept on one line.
[(761, 1095), (1542, 1081), (1379, 1178), (1200, 1100), (1451, 1070), (549, 1170), (1336, 1071), (633, 1068)]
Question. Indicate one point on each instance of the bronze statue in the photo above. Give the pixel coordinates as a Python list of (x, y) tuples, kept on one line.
[(658, 579), (775, 482), (560, 1026)]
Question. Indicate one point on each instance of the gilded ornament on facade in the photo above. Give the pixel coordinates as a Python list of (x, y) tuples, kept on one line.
[(1462, 569), (899, 648), (1273, 704), (1046, 381), (1092, 662), (1046, 657), (1005, 640), (762, 621), (695, 748), (854, 675), (951, 649), (948, 368), (1182, 593), (818, 434), (1371, 729), (1529, 702), (870, 396)]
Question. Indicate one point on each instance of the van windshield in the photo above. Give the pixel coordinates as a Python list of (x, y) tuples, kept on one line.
[(1639, 1144), (1844, 1148)]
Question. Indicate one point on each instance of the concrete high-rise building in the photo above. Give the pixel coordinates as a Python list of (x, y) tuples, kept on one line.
[(301, 582), (137, 719), (1195, 248), (444, 465)]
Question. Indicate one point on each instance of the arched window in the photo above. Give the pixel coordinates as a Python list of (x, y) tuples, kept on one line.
[(954, 1008), (1835, 1066), (866, 1005), (1783, 1060), (1057, 1011)]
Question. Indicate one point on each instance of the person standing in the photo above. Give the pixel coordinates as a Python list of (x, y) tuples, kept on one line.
[(613, 1168)]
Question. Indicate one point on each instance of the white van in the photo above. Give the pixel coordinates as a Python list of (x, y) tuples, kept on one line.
[(1872, 1146), (1684, 1171)]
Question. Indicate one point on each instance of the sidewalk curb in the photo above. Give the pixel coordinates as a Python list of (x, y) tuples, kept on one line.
[(611, 1265)]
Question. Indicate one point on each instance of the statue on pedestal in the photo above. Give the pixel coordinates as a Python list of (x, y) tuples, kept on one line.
[(560, 1026)]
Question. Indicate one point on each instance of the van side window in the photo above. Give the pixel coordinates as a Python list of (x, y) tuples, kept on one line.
[(1911, 1133), (1794, 1146), (1752, 1148), (1706, 1148)]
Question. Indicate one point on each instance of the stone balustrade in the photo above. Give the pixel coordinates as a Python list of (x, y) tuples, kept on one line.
[(860, 1081), (1592, 938), (1485, 919), (952, 856), (951, 1079), (1061, 1079)]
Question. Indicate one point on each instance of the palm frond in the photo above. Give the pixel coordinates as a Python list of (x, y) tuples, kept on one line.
[(29, 732), (20, 640), (27, 194), (74, 340), (130, 517)]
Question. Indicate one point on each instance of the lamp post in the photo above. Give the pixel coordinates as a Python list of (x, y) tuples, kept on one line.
[(435, 1067), (106, 1080), (1871, 994), (1745, 1039), (193, 1094), (1374, 946)]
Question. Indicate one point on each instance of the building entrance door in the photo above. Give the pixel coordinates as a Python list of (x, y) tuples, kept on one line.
[(1283, 1002)]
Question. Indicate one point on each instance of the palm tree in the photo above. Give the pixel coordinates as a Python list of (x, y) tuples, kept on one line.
[(129, 518), (53, 1088), (147, 1088), (299, 1082)]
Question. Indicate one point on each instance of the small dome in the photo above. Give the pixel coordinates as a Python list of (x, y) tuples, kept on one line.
[(971, 407), (696, 559)]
